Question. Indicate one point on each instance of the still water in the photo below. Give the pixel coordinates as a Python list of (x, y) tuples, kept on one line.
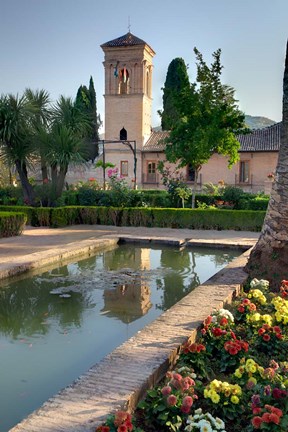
[(55, 325)]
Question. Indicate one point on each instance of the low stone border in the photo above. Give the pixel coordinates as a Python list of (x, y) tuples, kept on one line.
[(121, 379)]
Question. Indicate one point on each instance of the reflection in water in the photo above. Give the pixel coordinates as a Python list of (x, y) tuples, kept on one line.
[(55, 325), (127, 302)]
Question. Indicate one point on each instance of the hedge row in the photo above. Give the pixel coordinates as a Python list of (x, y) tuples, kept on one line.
[(242, 220), (11, 223)]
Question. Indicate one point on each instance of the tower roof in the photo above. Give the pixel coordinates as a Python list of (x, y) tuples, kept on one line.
[(126, 40)]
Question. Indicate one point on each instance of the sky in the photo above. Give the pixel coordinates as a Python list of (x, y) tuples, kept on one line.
[(55, 45)]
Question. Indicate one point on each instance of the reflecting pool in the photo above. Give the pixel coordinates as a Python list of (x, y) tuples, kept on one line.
[(55, 325)]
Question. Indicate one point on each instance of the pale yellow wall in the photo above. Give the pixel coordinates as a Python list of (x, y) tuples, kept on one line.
[(133, 110), (217, 170)]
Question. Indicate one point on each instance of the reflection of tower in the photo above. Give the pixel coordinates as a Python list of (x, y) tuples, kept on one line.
[(145, 259), (128, 301), (128, 257)]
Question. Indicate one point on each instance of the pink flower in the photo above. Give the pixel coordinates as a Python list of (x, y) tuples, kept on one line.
[(172, 400), (166, 390), (188, 400)]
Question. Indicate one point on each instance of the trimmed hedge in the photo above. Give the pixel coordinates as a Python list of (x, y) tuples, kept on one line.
[(11, 223), (242, 220)]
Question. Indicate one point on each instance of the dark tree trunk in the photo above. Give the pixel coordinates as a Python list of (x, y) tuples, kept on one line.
[(28, 192), (269, 258)]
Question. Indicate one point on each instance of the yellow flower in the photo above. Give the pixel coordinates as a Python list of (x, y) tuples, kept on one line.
[(237, 373), (215, 398), (234, 399), (267, 319), (252, 380)]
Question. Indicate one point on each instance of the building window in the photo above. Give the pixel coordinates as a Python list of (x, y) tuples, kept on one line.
[(190, 173), (124, 168), (123, 134), (123, 76), (244, 172), (151, 171)]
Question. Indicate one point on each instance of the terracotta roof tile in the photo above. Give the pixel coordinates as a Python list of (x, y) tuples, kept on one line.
[(259, 140), (155, 141), (127, 40)]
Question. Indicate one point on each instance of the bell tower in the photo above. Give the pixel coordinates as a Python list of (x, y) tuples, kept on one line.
[(128, 89)]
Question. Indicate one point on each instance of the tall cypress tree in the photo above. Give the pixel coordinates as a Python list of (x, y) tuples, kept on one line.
[(176, 81), (86, 102)]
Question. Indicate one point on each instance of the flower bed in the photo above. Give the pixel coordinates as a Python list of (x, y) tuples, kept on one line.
[(234, 378)]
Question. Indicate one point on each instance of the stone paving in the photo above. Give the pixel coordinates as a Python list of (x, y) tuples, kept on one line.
[(122, 377)]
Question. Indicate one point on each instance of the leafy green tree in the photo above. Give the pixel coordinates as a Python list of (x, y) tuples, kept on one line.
[(207, 121), (16, 139), (176, 80)]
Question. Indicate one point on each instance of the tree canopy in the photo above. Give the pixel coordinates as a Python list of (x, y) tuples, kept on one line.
[(176, 80), (207, 119)]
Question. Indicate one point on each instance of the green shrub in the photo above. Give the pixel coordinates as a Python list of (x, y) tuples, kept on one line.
[(209, 219), (233, 195), (88, 215), (22, 209), (12, 223), (64, 216), (137, 217)]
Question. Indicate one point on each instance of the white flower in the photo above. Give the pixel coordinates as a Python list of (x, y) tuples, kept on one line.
[(227, 314), (219, 423), (205, 426)]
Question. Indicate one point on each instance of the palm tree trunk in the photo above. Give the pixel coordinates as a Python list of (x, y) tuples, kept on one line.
[(269, 258), (28, 192)]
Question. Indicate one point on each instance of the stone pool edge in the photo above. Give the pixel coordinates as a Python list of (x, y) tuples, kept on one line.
[(123, 376)]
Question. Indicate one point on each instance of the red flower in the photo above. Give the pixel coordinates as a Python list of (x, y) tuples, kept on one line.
[(276, 411), (122, 428), (241, 309), (129, 426), (200, 348), (257, 410), (274, 418), (208, 320), (279, 336), (276, 329), (193, 347), (223, 321), (256, 422), (185, 409), (266, 337), (217, 331), (266, 417), (278, 393), (261, 331), (245, 345)]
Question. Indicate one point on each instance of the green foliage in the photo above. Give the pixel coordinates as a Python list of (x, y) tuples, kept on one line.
[(176, 81), (142, 216), (208, 118), (233, 194), (175, 184), (11, 223), (86, 102)]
